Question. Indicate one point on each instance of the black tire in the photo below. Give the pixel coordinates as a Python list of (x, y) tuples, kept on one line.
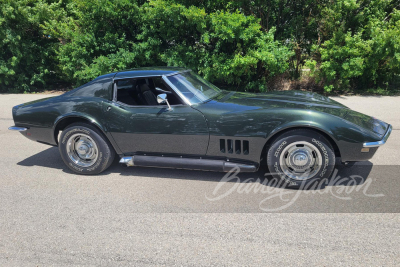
[(287, 140), (105, 151)]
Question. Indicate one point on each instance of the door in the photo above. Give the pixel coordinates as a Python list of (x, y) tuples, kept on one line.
[(155, 129)]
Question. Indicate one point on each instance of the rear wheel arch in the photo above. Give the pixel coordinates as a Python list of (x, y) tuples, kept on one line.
[(64, 122), (84, 148), (274, 136)]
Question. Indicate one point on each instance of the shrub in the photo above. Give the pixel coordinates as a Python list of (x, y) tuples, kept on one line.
[(228, 48), (362, 50), (27, 54)]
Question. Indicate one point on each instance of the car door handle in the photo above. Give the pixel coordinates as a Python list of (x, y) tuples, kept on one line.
[(111, 105)]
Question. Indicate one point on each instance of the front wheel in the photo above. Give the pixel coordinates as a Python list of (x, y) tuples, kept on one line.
[(85, 150), (300, 157)]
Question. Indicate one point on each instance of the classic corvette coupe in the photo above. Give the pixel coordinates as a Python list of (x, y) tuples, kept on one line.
[(173, 118)]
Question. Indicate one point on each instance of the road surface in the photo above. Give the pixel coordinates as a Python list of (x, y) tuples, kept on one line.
[(162, 217)]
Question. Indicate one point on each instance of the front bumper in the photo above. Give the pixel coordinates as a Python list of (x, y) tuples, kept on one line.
[(379, 143)]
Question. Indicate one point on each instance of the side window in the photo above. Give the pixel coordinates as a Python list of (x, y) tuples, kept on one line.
[(125, 92), (159, 84), (100, 87), (144, 91)]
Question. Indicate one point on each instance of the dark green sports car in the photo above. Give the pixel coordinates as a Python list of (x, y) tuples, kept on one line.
[(171, 117)]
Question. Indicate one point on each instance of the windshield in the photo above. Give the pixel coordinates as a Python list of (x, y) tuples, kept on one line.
[(193, 87)]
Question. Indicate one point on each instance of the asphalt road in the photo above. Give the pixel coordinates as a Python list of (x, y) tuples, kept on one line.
[(162, 217)]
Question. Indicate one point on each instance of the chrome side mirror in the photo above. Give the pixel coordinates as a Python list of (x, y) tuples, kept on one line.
[(162, 99)]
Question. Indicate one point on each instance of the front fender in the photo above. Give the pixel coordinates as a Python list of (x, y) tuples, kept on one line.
[(301, 124), (347, 137)]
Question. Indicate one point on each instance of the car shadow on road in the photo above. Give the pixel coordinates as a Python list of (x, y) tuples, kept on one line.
[(50, 158)]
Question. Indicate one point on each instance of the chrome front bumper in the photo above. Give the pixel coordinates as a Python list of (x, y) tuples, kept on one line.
[(382, 142), (19, 129)]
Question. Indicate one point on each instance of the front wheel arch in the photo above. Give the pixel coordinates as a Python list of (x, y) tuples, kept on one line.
[(272, 138)]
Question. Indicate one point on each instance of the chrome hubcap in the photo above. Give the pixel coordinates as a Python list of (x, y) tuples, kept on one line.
[(300, 160), (82, 150)]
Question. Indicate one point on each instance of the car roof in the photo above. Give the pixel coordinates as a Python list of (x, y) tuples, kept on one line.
[(147, 72)]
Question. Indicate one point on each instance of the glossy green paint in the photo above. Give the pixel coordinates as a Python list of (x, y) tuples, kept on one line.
[(262, 116), (198, 129), (155, 129)]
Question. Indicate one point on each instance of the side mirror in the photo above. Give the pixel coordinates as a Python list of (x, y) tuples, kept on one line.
[(162, 99)]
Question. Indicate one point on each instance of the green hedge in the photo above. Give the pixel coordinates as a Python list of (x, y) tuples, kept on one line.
[(347, 44), (27, 55)]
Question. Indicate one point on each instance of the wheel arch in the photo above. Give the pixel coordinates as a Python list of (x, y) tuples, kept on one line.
[(63, 121), (272, 137)]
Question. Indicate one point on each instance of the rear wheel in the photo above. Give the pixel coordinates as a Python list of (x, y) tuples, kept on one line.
[(85, 150), (300, 157)]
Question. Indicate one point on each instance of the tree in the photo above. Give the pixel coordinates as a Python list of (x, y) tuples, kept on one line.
[(362, 48), (27, 54)]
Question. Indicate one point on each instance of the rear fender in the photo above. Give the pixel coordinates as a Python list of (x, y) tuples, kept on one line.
[(88, 119)]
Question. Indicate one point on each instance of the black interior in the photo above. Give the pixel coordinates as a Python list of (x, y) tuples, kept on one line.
[(144, 91)]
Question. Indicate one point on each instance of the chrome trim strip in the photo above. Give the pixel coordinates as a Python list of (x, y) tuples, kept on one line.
[(139, 77), (175, 73), (19, 129), (382, 142), (149, 76)]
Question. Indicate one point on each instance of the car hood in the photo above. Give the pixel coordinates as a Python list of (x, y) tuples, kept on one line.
[(304, 100), (285, 99)]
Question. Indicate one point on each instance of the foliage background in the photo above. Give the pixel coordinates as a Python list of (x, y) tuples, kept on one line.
[(248, 45)]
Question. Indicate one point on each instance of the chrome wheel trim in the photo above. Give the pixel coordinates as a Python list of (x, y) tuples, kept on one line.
[(300, 160), (82, 150)]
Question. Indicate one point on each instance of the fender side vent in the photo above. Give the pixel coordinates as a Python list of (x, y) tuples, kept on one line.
[(238, 147), (246, 149), (230, 146), (222, 145), (234, 146)]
